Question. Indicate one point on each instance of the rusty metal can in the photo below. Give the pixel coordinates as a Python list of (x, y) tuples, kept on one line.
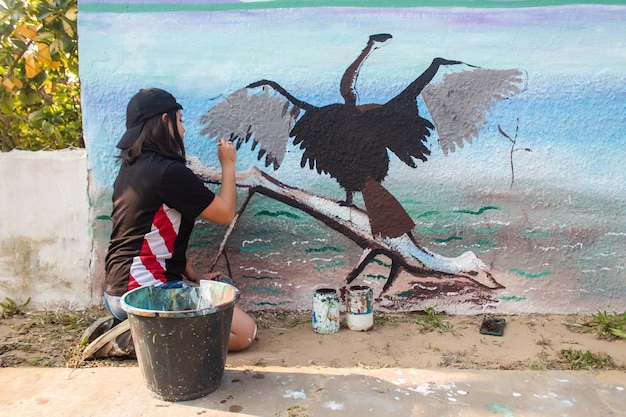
[(359, 311), (326, 311)]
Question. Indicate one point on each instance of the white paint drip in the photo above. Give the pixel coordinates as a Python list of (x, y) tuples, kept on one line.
[(335, 406), (258, 271), (296, 395), (253, 241), (322, 259), (427, 389)]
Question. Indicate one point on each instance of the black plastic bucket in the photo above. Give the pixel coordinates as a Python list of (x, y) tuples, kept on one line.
[(181, 337)]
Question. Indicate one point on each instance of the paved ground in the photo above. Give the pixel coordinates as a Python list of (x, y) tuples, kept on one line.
[(310, 392)]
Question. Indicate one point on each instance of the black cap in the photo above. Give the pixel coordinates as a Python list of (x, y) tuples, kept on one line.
[(144, 105)]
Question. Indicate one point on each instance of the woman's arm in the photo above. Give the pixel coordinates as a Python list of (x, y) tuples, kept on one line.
[(194, 276), (222, 208)]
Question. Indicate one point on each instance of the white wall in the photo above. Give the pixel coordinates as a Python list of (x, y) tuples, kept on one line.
[(45, 242)]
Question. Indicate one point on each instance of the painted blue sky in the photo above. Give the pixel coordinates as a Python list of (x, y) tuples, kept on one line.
[(572, 114)]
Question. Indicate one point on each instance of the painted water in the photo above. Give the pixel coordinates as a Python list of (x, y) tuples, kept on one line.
[(547, 248)]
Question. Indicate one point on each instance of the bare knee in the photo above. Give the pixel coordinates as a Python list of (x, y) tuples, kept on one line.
[(242, 331)]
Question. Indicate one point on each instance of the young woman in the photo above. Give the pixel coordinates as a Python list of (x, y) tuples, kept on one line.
[(156, 200)]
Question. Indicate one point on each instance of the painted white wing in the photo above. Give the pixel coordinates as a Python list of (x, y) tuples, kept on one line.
[(460, 103), (257, 115)]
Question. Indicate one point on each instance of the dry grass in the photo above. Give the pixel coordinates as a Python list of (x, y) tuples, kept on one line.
[(52, 339)]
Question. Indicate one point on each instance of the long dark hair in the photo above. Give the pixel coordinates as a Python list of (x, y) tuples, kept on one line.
[(155, 136)]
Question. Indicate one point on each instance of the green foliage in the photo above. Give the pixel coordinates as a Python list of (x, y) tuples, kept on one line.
[(11, 308), (610, 325), (577, 360), (539, 365), (296, 411), (431, 320), (40, 89)]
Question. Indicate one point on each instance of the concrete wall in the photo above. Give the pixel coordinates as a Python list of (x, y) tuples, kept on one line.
[(45, 237), (534, 204)]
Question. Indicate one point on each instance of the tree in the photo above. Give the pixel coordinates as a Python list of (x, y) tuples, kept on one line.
[(40, 91)]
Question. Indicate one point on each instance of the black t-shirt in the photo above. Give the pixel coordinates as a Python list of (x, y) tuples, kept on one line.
[(155, 203)]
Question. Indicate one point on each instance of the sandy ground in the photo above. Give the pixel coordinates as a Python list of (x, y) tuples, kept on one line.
[(398, 340), (404, 340)]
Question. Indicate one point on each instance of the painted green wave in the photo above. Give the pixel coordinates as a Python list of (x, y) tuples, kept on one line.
[(333, 265), (479, 212), (376, 276), (512, 298), (536, 234), (324, 249), (428, 214), (527, 275), (267, 303), (198, 243), (261, 277), (448, 239), (430, 230), (404, 294), (490, 230), (279, 213), (268, 290), (380, 263)]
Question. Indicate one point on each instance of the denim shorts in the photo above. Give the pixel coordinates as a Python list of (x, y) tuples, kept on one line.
[(114, 305)]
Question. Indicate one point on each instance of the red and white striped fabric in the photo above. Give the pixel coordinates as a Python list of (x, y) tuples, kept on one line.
[(148, 268)]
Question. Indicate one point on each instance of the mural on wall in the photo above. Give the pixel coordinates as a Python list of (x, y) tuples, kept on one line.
[(333, 191), (350, 143)]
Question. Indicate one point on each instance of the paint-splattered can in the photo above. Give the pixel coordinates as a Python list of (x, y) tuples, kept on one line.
[(359, 311), (326, 311)]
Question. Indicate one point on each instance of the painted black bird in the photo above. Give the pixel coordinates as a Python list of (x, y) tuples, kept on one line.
[(350, 142)]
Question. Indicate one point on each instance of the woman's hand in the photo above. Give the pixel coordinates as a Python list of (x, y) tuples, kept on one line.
[(226, 152), (193, 276), (210, 275)]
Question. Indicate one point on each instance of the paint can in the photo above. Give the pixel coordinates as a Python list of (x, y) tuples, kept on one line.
[(326, 311), (359, 311)]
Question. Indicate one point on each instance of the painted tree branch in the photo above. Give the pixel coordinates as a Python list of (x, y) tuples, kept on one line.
[(353, 223)]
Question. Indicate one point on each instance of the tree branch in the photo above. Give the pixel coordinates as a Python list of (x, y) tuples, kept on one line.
[(354, 224)]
